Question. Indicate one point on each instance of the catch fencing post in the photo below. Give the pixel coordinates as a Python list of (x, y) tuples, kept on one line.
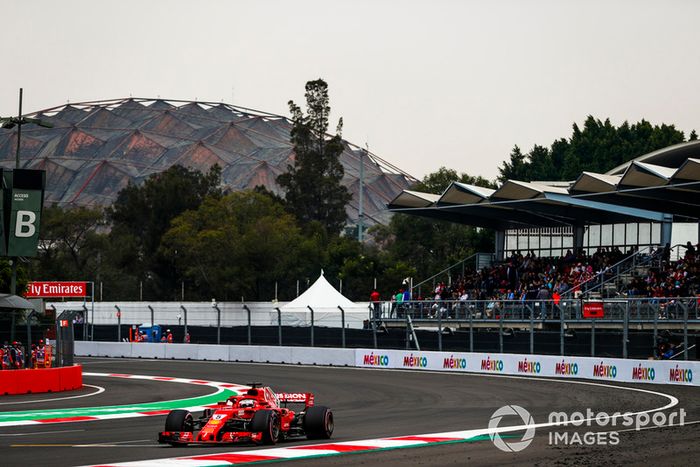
[(561, 332), (28, 319), (408, 333), (440, 329), (85, 325), (245, 307), (279, 326), (312, 324), (471, 331), (593, 337), (373, 323), (152, 320), (625, 329), (685, 333), (656, 329), (532, 333), (500, 332), (119, 323), (92, 305), (184, 310), (342, 324), (218, 322)]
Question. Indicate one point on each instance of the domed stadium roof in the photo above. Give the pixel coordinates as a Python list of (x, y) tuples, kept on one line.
[(97, 148)]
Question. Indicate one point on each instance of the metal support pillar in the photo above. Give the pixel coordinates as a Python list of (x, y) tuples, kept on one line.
[(666, 229), (578, 237), (500, 245)]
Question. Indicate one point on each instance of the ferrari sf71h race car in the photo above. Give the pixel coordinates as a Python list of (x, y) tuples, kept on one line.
[(258, 416)]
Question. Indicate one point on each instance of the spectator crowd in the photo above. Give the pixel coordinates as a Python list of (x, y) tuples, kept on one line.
[(529, 277)]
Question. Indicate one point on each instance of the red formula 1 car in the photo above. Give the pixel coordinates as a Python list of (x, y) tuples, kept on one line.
[(259, 416)]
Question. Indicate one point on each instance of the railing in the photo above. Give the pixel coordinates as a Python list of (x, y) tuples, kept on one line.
[(644, 257), (642, 309), (678, 251), (476, 257)]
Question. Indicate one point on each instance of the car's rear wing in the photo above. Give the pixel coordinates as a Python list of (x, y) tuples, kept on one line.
[(296, 397)]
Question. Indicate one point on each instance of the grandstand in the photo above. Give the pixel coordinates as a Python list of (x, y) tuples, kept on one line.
[(604, 264), (96, 148)]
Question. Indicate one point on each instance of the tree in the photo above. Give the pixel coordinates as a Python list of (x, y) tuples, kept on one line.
[(70, 243), (313, 191), (238, 246), (597, 147), (437, 182), (142, 214)]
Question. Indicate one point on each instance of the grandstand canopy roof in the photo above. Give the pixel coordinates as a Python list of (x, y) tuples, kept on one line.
[(652, 188)]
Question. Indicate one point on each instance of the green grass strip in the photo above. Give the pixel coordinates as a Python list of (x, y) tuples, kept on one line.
[(116, 409)]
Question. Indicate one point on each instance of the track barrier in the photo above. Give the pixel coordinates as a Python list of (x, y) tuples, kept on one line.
[(606, 369), (41, 380)]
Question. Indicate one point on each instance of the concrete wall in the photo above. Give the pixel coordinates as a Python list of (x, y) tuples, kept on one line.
[(605, 369)]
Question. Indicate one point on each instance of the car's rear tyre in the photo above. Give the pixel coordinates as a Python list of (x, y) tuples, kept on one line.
[(266, 422), (318, 422)]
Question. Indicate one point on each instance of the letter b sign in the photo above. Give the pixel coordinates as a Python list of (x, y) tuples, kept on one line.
[(25, 225)]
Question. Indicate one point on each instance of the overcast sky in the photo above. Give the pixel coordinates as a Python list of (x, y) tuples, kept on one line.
[(425, 83)]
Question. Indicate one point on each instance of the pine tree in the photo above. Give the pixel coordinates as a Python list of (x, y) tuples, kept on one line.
[(313, 190)]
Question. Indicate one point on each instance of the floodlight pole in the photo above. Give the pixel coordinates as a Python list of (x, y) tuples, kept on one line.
[(13, 260), (361, 211), (19, 129)]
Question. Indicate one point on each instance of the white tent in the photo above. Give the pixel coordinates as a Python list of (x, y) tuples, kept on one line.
[(324, 299)]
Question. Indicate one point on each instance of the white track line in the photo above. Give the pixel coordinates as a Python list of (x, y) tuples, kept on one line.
[(100, 390), (39, 433)]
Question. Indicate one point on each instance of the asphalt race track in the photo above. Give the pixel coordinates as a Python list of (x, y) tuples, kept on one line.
[(367, 403)]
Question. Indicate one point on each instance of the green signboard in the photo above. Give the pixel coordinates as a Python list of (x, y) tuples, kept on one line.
[(23, 235), (20, 218), (3, 239)]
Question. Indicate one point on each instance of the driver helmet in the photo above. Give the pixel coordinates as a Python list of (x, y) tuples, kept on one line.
[(245, 403)]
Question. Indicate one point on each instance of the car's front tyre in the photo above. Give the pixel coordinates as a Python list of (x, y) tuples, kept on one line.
[(268, 423)]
